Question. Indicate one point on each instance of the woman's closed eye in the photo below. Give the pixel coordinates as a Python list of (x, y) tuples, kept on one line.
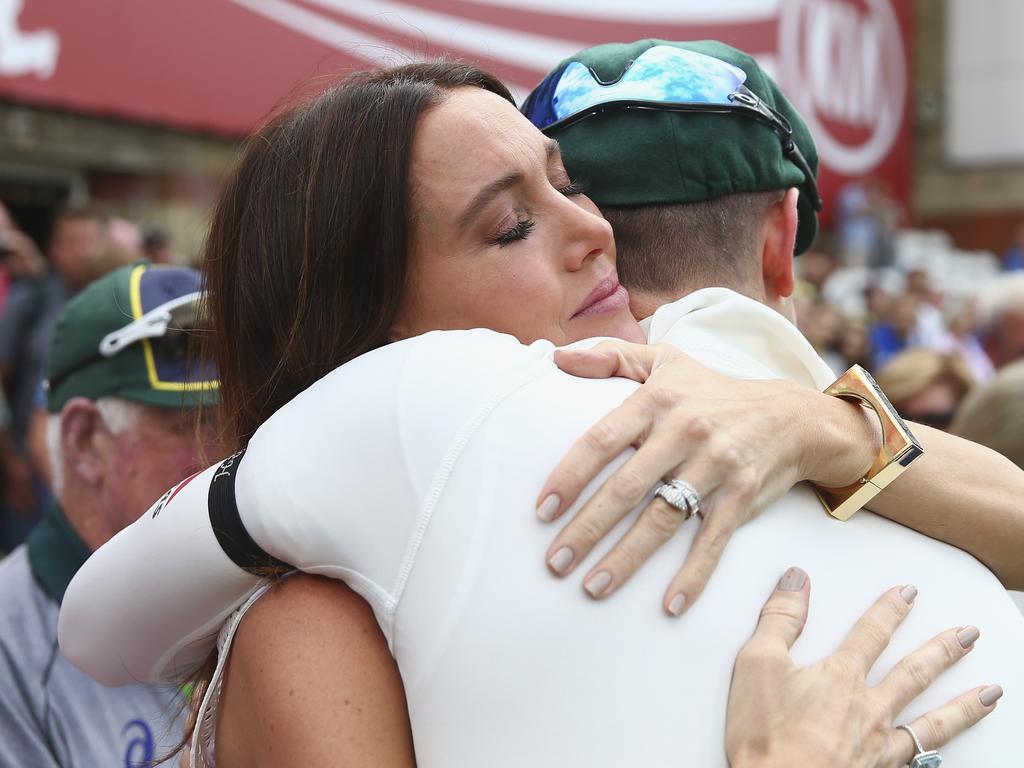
[(522, 228), (518, 231)]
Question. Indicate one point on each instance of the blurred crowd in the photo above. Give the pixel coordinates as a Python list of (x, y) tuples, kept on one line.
[(36, 281), (941, 329)]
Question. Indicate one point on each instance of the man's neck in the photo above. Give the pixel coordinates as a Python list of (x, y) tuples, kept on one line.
[(643, 304)]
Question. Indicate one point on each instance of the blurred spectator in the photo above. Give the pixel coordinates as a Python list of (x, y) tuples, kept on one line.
[(852, 346), (962, 339), (33, 305), (930, 329), (926, 386), (868, 219), (993, 414), (877, 301), (1005, 334), (19, 256), (821, 324), (18, 493), (83, 245), (157, 246), (1013, 257), (894, 331), (815, 267), (123, 235)]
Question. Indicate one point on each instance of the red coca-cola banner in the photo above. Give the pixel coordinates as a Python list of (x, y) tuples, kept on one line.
[(222, 65)]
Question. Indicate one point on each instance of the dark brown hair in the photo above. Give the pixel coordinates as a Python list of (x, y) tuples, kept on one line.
[(307, 252)]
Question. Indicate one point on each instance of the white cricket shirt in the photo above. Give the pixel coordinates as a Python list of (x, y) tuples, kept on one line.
[(411, 473)]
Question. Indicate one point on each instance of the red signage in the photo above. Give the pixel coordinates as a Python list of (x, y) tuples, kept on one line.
[(222, 65)]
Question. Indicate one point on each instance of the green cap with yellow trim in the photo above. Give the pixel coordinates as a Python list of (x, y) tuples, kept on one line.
[(128, 335)]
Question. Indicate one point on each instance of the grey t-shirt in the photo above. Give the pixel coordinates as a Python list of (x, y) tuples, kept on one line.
[(51, 714)]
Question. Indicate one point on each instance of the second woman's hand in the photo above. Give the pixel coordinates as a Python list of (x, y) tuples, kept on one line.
[(781, 714), (740, 444)]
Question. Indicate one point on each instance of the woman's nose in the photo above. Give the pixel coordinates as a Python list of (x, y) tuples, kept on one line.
[(590, 236)]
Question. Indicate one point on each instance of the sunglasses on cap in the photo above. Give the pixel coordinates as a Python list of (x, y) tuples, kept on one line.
[(165, 333), (662, 78)]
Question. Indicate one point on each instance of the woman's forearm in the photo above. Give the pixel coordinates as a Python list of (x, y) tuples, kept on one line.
[(958, 492), (966, 495)]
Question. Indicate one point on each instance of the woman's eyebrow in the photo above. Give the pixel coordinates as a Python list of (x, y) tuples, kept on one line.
[(495, 188), (485, 195)]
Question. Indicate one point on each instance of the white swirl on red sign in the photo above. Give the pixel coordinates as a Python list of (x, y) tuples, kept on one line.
[(844, 68), (25, 53)]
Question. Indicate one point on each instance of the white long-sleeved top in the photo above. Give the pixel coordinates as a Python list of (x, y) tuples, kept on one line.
[(411, 473)]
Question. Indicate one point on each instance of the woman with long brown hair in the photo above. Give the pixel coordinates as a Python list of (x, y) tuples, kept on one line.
[(342, 231)]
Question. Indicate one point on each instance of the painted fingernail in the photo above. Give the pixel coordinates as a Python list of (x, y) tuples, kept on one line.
[(792, 580), (909, 593), (675, 607), (549, 507), (990, 695), (561, 560), (598, 583), (967, 636)]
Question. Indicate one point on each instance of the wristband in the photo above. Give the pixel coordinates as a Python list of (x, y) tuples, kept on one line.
[(899, 446)]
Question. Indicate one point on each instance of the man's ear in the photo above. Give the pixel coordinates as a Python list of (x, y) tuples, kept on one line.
[(84, 440), (779, 242)]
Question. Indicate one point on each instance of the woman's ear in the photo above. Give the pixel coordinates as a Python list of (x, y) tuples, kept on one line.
[(84, 441)]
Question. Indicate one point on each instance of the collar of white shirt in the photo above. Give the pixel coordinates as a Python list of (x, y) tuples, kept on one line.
[(738, 336)]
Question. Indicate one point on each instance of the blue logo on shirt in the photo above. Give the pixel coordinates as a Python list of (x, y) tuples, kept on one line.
[(139, 753)]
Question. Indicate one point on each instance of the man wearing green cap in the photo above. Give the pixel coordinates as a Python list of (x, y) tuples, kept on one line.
[(122, 395), (703, 167)]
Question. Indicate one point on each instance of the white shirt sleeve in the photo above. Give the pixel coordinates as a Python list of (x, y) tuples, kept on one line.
[(148, 604), (333, 484), (340, 481)]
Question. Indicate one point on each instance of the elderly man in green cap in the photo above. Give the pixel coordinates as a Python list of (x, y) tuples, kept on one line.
[(122, 394)]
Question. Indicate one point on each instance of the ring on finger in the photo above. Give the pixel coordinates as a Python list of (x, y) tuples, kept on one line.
[(923, 758), (680, 495)]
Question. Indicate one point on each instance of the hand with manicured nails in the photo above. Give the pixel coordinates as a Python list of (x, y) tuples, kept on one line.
[(782, 715), (741, 444)]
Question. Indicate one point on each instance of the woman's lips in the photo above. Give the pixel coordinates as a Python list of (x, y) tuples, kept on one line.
[(608, 296)]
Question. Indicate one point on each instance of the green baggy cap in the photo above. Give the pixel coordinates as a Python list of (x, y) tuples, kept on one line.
[(122, 336), (649, 157)]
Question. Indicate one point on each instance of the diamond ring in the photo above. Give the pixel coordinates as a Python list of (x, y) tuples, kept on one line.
[(681, 495)]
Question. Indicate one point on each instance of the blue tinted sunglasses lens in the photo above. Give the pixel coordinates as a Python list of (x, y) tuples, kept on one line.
[(661, 74)]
